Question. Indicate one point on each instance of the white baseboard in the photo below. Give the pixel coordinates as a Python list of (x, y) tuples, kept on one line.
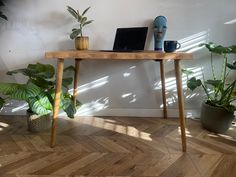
[(116, 112)]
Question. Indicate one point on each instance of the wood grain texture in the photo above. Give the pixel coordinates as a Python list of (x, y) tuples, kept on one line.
[(115, 146), (60, 65), (163, 88), (98, 55), (178, 75), (76, 80)]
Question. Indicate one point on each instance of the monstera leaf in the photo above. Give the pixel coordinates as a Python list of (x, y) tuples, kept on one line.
[(193, 83)]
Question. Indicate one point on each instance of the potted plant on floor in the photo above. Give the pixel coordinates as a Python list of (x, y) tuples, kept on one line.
[(217, 111), (38, 92), (81, 42)]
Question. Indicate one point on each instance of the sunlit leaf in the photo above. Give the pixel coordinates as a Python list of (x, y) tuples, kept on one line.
[(187, 71)]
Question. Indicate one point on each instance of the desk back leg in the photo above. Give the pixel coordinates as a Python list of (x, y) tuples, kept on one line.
[(60, 66), (178, 75), (163, 87), (76, 80)]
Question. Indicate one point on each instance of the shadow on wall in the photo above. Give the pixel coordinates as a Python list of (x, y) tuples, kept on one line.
[(111, 87)]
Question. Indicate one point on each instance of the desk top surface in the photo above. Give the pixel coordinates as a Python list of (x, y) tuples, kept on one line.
[(99, 55)]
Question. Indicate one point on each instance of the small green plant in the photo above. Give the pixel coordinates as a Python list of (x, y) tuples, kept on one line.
[(1, 13), (219, 92), (39, 90), (81, 19)]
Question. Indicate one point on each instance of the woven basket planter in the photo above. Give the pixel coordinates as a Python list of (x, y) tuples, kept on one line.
[(38, 123)]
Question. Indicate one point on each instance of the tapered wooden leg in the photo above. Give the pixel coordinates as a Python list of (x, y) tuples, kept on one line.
[(178, 75), (76, 80), (60, 65), (163, 87)]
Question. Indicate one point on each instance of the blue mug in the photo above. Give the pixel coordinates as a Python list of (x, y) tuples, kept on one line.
[(171, 46)]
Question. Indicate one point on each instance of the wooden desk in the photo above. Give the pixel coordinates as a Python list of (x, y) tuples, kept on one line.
[(99, 56)]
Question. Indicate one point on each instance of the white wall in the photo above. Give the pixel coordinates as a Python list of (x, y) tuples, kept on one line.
[(37, 26)]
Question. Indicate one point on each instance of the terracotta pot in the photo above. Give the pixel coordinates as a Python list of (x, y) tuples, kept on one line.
[(38, 123), (216, 119), (82, 43)]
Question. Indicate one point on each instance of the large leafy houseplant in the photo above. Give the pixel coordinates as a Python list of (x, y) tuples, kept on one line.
[(219, 91), (217, 111), (39, 89), (81, 42)]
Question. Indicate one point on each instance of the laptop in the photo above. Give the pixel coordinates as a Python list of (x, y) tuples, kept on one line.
[(129, 39)]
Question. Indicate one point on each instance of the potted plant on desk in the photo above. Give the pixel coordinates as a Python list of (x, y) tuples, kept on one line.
[(217, 111), (81, 42), (38, 92)]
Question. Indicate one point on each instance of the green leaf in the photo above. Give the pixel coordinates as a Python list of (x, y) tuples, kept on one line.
[(23, 71), (69, 68), (42, 83), (233, 49), (74, 34), (83, 20), (36, 70), (215, 83), (88, 22), (219, 49), (26, 91), (85, 11), (72, 12), (40, 105), (41, 70), (9, 88), (187, 72), (2, 102), (66, 82), (193, 83), (231, 66)]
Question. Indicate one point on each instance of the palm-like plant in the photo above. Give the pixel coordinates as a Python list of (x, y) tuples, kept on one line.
[(81, 19), (219, 92), (38, 91)]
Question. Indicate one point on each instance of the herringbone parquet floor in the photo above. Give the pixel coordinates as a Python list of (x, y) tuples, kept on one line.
[(115, 146)]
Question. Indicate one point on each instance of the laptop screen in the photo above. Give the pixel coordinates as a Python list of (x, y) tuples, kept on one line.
[(130, 38)]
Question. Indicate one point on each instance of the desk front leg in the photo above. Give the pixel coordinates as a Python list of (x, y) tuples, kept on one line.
[(178, 75), (56, 106)]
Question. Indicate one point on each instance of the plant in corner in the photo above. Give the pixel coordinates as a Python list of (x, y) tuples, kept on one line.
[(217, 111), (81, 42), (38, 92)]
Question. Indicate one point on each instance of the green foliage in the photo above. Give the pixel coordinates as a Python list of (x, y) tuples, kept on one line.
[(1, 13), (81, 20), (38, 92), (219, 92), (2, 101)]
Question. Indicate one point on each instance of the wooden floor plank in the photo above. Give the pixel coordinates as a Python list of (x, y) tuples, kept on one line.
[(115, 146)]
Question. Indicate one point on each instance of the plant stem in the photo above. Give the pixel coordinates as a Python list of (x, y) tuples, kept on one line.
[(212, 67), (81, 33)]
